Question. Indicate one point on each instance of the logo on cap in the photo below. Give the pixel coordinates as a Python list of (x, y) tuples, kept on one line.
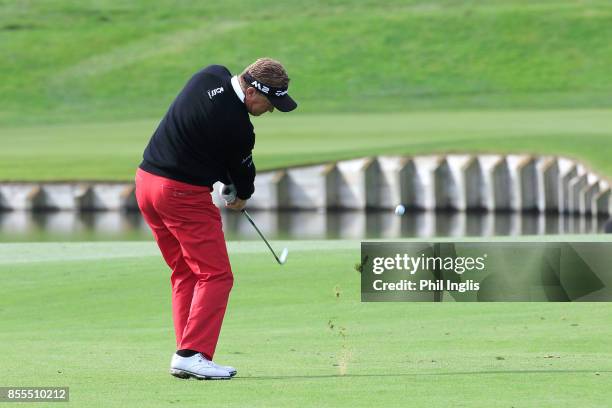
[(263, 88), (266, 89)]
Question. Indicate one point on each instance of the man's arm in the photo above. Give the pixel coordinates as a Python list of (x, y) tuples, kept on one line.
[(241, 168)]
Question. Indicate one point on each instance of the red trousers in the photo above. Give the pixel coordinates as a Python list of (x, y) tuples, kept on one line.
[(187, 227)]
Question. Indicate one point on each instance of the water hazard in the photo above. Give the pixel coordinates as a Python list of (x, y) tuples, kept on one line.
[(17, 226)]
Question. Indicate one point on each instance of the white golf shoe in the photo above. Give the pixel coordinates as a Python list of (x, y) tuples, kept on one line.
[(231, 370), (199, 367)]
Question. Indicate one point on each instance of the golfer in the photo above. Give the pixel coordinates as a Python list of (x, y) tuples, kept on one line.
[(206, 136)]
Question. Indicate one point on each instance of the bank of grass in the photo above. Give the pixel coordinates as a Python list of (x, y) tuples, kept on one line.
[(84, 84), (96, 317), (111, 151), (73, 61)]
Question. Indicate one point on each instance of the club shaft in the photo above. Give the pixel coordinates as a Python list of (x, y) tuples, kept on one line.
[(246, 214)]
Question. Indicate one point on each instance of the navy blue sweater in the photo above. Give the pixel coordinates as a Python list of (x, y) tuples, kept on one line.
[(206, 136)]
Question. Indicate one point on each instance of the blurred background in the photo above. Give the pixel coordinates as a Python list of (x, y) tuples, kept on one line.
[(84, 84)]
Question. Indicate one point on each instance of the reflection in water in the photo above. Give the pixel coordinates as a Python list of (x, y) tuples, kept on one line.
[(99, 226)]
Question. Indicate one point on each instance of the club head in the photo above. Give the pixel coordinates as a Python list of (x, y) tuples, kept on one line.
[(283, 256)]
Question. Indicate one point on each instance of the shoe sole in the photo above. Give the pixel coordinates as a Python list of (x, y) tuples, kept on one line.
[(185, 375)]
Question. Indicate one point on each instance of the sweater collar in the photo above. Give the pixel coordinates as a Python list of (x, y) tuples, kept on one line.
[(237, 88)]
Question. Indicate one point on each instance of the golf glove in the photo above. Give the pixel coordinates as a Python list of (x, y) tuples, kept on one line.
[(228, 193)]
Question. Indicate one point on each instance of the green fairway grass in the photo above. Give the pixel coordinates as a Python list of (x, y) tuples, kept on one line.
[(96, 317), (111, 151), (74, 61)]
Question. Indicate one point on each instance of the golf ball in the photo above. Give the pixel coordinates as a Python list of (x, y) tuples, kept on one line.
[(400, 210)]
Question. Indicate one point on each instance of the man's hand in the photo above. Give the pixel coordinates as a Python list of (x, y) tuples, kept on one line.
[(228, 193), (237, 205)]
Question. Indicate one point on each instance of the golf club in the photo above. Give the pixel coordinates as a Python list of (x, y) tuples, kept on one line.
[(283, 256)]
